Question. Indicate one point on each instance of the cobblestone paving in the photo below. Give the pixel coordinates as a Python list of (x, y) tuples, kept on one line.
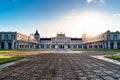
[(62, 66)]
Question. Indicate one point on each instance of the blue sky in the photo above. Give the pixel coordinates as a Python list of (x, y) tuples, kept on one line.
[(72, 17)]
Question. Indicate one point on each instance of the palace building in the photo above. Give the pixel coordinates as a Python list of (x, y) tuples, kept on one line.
[(15, 40), (60, 42), (106, 40)]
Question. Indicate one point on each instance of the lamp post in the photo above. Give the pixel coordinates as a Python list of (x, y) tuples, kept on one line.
[(28, 42)]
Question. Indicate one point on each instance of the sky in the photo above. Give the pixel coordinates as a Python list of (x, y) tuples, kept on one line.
[(72, 17)]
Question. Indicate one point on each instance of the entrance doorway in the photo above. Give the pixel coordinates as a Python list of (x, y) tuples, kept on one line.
[(68, 46), (61, 46), (2, 45), (119, 45), (9, 45), (111, 45), (53, 46)]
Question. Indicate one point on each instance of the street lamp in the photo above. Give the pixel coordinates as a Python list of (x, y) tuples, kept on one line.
[(29, 40)]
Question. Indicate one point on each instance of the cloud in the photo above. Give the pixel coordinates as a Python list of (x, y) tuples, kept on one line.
[(91, 1), (76, 22), (116, 15), (102, 1)]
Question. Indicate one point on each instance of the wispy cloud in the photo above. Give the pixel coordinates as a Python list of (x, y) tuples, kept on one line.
[(116, 15), (76, 22), (91, 1), (102, 1)]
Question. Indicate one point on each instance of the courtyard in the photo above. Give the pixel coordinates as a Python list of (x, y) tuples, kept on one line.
[(62, 65)]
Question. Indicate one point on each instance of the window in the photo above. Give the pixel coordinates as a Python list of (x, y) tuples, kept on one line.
[(115, 37), (48, 46), (6, 37), (13, 37), (75, 46), (79, 46), (42, 46), (108, 37)]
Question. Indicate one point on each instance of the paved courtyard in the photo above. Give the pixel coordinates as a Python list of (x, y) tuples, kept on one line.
[(62, 65)]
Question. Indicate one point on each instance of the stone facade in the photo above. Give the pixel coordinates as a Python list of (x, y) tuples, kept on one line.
[(60, 42), (106, 40), (15, 40)]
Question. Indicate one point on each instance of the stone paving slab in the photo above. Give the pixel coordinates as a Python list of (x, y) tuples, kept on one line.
[(64, 66)]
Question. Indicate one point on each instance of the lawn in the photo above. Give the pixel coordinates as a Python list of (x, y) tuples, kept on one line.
[(101, 50), (114, 57), (12, 55), (6, 58)]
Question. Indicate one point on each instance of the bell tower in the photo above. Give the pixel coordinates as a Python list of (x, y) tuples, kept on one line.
[(37, 35)]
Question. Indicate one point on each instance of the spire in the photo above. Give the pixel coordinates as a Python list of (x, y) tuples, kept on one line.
[(36, 33)]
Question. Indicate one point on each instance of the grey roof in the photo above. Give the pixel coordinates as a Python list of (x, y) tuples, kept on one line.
[(76, 38), (45, 38)]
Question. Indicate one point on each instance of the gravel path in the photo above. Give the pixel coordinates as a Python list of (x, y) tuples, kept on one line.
[(62, 66)]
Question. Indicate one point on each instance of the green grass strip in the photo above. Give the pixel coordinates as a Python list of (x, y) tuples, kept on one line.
[(6, 60), (99, 50), (114, 57)]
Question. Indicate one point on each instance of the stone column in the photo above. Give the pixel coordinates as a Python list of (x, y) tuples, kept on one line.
[(39, 46), (87, 46), (105, 45), (98, 47), (115, 45), (77, 46), (108, 45), (71, 46), (13, 45), (18, 45), (24, 46), (6, 45), (66, 47), (93, 46), (50, 46), (56, 46), (82, 46), (33, 46), (45, 46)]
